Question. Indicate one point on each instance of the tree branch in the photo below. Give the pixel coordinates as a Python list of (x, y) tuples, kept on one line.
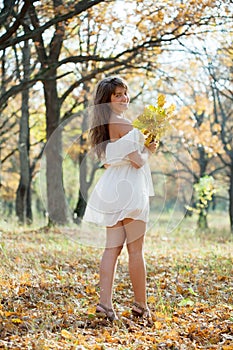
[(16, 24), (79, 7)]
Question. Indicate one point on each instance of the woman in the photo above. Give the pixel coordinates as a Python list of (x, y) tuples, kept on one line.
[(120, 199)]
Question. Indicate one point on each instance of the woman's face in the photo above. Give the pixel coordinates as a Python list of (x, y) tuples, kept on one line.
[(120, 100)]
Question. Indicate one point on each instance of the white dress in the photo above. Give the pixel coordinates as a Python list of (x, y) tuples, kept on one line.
[(123, 191)]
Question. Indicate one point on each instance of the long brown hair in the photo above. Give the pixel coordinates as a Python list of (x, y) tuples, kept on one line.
[(99, 132)]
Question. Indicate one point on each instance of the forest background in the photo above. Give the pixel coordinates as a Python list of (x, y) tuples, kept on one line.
[(52, 55), (53, 52)]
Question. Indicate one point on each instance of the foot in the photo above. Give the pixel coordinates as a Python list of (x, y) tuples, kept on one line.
[(143, 313), (140, 311), (103, 311)]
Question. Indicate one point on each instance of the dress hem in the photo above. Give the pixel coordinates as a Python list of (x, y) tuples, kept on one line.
[(110, 225)]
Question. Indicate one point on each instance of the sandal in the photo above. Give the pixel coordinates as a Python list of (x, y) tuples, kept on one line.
[(140, 311), (103, 311)]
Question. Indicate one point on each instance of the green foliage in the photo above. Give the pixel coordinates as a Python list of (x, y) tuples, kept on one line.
[(205, 189), (204, 192), (186, 302)]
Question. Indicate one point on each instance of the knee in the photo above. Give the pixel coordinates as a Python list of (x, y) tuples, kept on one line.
[(135, 247), (134, 251), (116, 251)]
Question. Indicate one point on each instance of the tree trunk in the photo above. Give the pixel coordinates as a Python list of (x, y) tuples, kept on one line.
[(80, 207), (202, 220), (83, 189), (202, 217), (231, 196), (29, 217), (56, 202), (23, 199), (83, 182)]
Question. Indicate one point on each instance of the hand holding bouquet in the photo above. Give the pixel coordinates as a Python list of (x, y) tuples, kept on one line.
[(154, 122)]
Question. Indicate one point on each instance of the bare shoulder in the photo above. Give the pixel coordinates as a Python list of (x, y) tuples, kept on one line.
[(118, 127), (125, 127)]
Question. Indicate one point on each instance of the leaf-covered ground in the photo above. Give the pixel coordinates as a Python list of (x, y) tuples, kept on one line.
[(49, 289)]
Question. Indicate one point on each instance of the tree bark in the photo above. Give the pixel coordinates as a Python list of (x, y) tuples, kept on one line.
[(80, 207), (23, 198), (202, 222), (56, 202), (83, 182), (231, 196)]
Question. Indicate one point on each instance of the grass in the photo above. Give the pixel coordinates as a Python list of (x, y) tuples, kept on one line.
[(49, 289)]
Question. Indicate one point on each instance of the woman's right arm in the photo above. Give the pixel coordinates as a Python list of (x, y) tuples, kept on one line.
[(138, 159), (119, 129)]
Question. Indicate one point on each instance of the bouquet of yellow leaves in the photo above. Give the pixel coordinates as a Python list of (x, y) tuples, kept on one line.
[(154, 122)]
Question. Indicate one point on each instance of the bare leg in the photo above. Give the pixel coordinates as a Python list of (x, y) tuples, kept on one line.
[(135, 231), (114, 243)]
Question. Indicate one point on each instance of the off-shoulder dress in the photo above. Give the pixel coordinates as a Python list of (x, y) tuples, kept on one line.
[(122, 191)]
